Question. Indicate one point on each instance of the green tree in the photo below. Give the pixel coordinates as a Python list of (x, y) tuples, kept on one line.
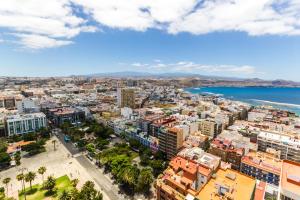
[(74, 182), (29, 177), (130, 175), (42, 170), (6, 181), (17, 158), (145, 180), (21, 177), (50, 184), (4, 158), (88, 192), (158, 166), (65, 195)]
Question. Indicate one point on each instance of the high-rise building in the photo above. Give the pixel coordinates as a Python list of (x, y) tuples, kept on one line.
[(126, 97), (170, 141), (20, 124)]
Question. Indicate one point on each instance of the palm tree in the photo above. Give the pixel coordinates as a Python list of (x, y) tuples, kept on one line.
[(74, 182), (42, 171), (29, 177), (54, 143), (50, 184), (21, 177), (6, 182), (65, 195)]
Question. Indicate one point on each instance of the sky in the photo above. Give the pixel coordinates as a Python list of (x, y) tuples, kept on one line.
[(234, 38)]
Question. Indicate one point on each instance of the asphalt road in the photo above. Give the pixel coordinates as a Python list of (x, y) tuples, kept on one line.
[(69, 145)]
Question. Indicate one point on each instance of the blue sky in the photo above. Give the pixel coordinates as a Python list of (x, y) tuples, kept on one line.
[(72, 37)]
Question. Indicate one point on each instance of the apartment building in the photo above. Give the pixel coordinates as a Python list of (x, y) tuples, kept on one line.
[(290, 181), (262, 166), (126, 97), (20, 124), (183, 178), (187, 179), (209, 128), (170, 141), (227, 152), (288, 145), (230, 185)]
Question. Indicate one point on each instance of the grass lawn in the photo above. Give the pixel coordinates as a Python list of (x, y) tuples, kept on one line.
[(37, 193)]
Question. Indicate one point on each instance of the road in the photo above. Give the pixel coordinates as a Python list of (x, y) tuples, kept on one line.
[(103, 181)]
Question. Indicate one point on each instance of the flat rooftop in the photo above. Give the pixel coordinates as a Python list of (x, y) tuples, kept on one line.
[(264, 161), (228, 183), (290, 177)]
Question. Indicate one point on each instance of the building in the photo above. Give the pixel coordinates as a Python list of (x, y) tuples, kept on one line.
[(208, 128), (227, 152), (288, 146), (170, 141), (126, 97), (26, 123), (230, 185), (184, 177), (27, 105), (60, 115), (290, 180), (262, 166), (7, 102)]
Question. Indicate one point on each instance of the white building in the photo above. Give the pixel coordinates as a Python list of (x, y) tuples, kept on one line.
[(20, 124), (27, 105)]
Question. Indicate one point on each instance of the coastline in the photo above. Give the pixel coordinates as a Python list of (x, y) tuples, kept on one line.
[(257, 101)]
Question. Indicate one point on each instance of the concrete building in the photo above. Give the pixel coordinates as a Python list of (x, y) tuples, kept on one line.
[(227, 152), (27, 105), (262, 166), (228, 184), (187, 179), (209, 128), (170, 141), (60, 115), (290, 181), (20, 124), (288, 146), (126, 97)]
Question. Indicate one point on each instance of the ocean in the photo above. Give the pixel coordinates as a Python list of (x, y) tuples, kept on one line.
[(282, 98)]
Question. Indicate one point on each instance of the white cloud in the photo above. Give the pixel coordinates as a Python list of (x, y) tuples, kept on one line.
[(39, 42), (63, 19), (53, 19), (191, 67), (277, 17)]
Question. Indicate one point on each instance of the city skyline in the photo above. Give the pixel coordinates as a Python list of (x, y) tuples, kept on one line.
[(71, 38)]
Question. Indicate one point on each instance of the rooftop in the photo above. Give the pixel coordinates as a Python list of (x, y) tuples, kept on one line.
[(290, 177), (228, 183), (264, 161)]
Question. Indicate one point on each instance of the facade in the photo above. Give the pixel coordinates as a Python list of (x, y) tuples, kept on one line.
[(288, 146), (7, 102), (126, 97), (60, 115), (262, 166), (290, 180), (208, 128), (21, 124), (170, 141), (227, 152)]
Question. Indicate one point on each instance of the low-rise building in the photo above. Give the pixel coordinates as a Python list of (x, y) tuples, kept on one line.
[(262, 166), (290, 180), (67, 114), (26, 123)]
